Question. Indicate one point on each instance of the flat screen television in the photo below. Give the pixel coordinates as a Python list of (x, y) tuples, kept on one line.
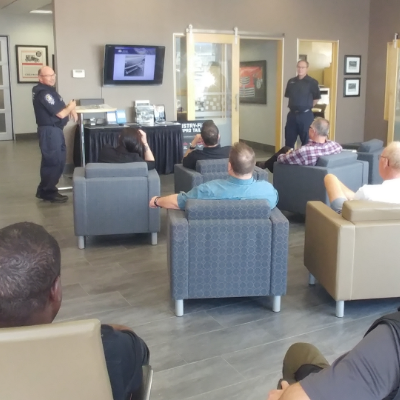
[(133, 65)]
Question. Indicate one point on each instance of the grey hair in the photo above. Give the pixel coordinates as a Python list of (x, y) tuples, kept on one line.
[(321, 126), (392, 152)]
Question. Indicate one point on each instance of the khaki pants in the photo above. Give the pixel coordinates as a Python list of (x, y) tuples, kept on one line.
[(300, 360)]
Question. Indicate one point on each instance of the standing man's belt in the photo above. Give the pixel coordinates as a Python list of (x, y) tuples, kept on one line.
[(300, 112)]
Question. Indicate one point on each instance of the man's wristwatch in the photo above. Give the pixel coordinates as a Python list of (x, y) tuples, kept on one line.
[(155, 202), (192, 147)]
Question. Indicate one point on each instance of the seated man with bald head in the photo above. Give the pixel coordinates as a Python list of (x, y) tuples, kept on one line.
[(239, 186), (387, 192)]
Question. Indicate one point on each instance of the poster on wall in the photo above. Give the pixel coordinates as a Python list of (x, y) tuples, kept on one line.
[(29, 60), (253, 82)]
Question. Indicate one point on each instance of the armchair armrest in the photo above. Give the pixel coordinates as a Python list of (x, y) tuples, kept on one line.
[(328, 249), (185, 178), (154, 190), (260, 174), (178, 253), (279, 252), (79, 199)]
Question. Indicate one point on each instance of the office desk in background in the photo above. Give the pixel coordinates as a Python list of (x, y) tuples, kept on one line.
[(165, 141)]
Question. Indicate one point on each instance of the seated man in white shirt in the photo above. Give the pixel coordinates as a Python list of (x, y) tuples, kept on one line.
[(387, 192)]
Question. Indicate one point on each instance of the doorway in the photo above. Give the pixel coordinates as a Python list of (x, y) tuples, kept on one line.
[(260, 117), (6, 131), (322, 57)]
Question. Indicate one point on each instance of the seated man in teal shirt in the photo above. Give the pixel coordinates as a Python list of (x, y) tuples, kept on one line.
[(239, 186)]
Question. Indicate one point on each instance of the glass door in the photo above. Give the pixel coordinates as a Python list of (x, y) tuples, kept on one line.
[(5, 92), (212, 72)]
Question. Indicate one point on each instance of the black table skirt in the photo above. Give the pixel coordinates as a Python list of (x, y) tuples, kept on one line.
[(164, 141)]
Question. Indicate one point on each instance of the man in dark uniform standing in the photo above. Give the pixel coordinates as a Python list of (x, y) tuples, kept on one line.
[(303, 93), (51, 116)]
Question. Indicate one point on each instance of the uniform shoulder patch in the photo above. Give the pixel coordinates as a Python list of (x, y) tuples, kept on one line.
[(50, 99)]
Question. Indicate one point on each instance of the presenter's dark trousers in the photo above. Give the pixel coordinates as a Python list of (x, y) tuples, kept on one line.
[(297, 124), (52, 146)]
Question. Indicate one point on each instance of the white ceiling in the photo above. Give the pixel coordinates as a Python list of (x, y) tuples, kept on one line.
[(22, 6)]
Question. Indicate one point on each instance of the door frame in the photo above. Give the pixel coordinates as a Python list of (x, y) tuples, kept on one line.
[(7, 37), (334, 89), (279, 87)]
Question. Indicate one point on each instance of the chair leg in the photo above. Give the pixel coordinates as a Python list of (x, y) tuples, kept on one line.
[(179, 308), (311, 280), (154, 238), (340, 309), (81, 242), (276, 304)]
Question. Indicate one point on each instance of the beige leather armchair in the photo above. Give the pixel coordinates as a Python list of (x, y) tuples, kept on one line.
[(63, 361), (354, 255)]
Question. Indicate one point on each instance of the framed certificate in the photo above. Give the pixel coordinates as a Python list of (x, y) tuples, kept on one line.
[(29, 60)]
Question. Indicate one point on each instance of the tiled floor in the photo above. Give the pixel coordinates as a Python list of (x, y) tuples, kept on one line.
[(221, 349)]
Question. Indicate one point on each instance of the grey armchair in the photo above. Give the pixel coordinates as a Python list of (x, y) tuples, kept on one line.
[(206, 170), (370, 151), (227, 248), (114, 199), (298, 184)]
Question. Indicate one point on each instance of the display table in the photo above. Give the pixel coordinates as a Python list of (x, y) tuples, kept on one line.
[(164, 141)]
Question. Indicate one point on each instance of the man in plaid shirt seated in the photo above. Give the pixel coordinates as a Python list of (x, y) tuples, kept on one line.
[(317, 146)]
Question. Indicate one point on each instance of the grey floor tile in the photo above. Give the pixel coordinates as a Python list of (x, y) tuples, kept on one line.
[(74, 291), (176, 329), (80, 308), (193, 379)]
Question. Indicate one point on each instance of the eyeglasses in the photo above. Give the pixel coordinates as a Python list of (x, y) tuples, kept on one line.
[(49, 76)]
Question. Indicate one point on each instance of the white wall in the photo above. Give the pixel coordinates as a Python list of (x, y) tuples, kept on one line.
[(30, 29), (257, 121)]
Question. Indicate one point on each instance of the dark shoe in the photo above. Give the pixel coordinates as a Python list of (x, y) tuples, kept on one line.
[(59, 198), (260, 164)]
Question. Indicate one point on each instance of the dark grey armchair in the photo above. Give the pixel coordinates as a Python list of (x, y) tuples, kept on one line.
[(206, 170), (298, 184), (114, 199), (227, 248)]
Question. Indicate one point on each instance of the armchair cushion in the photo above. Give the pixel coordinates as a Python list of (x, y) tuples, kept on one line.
[(337, 160), (103, 170), (212, 166), (370, 146), (227, 209)]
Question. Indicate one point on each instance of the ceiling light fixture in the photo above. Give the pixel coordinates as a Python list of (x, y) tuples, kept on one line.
[(41, 12)]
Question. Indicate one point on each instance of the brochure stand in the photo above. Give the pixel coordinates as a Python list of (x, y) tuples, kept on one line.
[(81, 110)]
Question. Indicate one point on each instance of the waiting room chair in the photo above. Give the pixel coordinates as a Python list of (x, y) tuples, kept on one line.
[(62, 361), (355, 255), (370, 151), (206, 170), (227, 248), (298, 184), (114, 199)]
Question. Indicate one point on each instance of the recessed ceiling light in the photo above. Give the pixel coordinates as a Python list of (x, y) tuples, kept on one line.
[(41, 12)]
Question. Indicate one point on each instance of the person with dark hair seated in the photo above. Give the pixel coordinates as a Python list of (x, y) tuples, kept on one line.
[(31, 294), (211, 151), (132, 147)]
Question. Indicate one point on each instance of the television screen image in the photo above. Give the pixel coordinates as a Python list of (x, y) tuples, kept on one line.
[(140, 65)]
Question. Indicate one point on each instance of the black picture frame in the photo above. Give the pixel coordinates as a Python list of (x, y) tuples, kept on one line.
[(30, 58), (302, 57), (253, 82), (351, 87), (352, 65)]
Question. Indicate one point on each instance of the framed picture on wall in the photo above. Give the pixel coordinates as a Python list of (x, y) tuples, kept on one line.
[(253, 82), (351, 87), (302, 57), (352, 65), (29, 60)]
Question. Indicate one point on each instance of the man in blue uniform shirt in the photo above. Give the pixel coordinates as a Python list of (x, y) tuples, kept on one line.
[(239, 186), (303, 93), (51, 116)]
